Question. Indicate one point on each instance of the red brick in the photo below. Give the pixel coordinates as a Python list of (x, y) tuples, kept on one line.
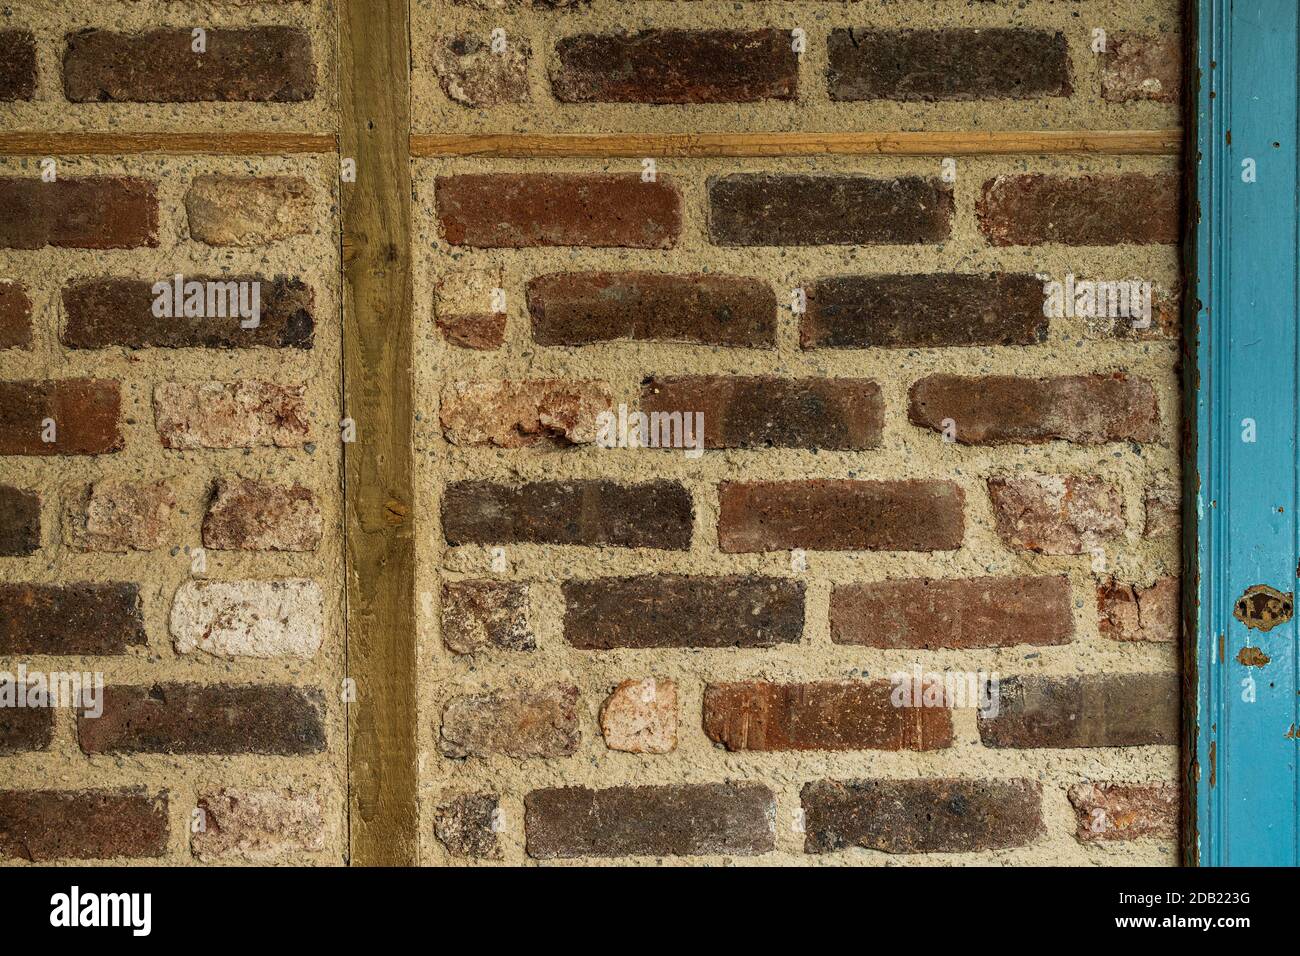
[(521, 723), (80, 619), (579, 308), (773, 412), (787, 209), (694, 819), (94, 212), (921, 816), (102, 313), (676, 66), (523, 412), (655, 514), (662, 610), (20, 522), (928, 66), (1029, 209), (244, 414), (85, 413), (923, 311), (247, 515), (483, 331), (640, 716), (258, 64), (17, 65), (1127, 612), (522, 210), (839, 515), (15, 316), (25, 729), (1005, 409), (1056, 514), (828, 715), (1124, 811), (1095, 710), (207, 719), (928, 614), (1142, 68), (120, 516), (45, 825)]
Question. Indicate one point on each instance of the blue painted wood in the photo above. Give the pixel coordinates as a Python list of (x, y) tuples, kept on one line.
[(1245, 719)]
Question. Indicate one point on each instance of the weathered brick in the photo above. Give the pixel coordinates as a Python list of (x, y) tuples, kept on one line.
[(466, 311), (663, 610), (827, 715), (520, 723), (921, 816), (656, 514), (1006, 409), (839, 515), (265, 64), (207, 719), (84, 413), (640, 717), (1124, 811), (486, 614), (248, 210), (257, 825), (15, 316), (923, 613), (467, 825), (696, 819), (521, 210), (17, 65), (937, 65), (676, 66), (248, 515), (1163, 509), (102, 313), (93, 212), (120, 516), (579, 308), (1095, 710), (243, 414), (786, 209), (484, 331), (773, 412), (81, 619), (1127, 612), (523, 412), (1029, 209), (923, 311), (1141, 68), (471, 74), (249, 618), (1056, 514), (20, 522), (45, 825), (24, 729)]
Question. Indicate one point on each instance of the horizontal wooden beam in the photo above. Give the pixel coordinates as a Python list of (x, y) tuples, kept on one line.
[(1160, 142), (95, 143)]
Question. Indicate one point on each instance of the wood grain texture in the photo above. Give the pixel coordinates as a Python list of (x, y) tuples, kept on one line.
[(96, 143), (374, 55)]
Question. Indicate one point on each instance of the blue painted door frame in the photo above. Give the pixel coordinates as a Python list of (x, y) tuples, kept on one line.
[(1241, 504)]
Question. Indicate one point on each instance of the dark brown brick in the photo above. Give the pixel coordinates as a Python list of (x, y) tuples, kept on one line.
[(923, 311), (782, 209), (922, 613), (93, 212), (578, 308), (1095, 710), (85, 414), (921, 816), (207, 719), (17, 65), (657, 514), (932, 65), (1005, 409), (521, 210), (828, 715), (838, 515), (676, 66), (23, 729), (259, 64), (70, 618), (20, 522), (664, 610), (694, 819), (44, 825), (102, 313), (1029, 209), (773, 412), (15, 316)]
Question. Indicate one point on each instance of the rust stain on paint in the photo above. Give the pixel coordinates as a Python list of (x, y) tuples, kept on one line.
[(1263, 608), (1252, 657)]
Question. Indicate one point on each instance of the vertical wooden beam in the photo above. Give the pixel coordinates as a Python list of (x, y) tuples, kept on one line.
[(374, 131)]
